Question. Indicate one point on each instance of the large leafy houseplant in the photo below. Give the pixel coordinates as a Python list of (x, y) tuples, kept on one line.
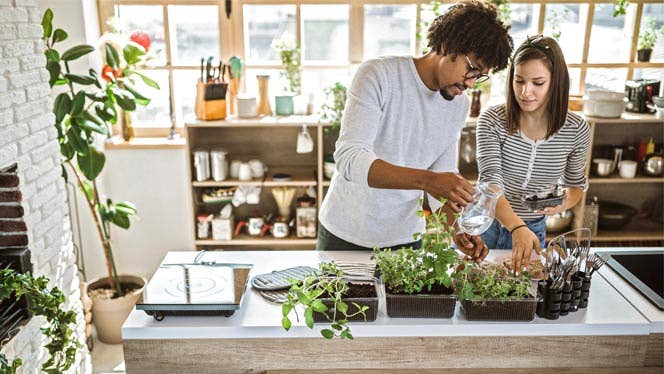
[(42, 301), (85, 110), (327, 285)]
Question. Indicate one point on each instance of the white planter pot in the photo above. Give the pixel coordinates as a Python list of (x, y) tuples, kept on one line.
[(108, 315)]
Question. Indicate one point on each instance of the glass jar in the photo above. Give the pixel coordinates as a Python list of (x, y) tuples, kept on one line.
[(477, 216)]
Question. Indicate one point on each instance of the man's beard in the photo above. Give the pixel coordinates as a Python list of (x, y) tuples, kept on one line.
[(445, 95)]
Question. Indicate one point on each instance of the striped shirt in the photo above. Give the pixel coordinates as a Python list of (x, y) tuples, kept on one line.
[(524, 166)]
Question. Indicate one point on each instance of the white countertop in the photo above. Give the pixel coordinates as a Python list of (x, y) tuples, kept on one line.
[(633, 296), (608, 313)]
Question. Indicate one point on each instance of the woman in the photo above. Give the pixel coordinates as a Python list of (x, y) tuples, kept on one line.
[(529, 145)]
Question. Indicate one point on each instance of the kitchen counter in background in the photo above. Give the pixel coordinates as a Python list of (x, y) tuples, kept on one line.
[(609, 333)]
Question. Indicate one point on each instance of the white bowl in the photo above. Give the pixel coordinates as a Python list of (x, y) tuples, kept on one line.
[(603, 108), (605, 95)]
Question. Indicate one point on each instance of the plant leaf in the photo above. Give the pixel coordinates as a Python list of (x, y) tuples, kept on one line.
[(286, 308), (147, 80), (132, 54), (91, 126), (140, 99), (319, 306), (327, 333), (92, 163), (61, 106), (76, 52), (286, 323), (78, 103), (124, 99), (76, 141), (47, 23), (112, 57), (59, 35), (80, 79), (342, 307), (54, 70), (309, 317), (52, 55), (121, 221)]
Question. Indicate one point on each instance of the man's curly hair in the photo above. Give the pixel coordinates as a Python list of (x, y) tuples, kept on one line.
[(472, 26)]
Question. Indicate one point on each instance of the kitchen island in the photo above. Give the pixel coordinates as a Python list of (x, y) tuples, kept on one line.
[(610, 333)]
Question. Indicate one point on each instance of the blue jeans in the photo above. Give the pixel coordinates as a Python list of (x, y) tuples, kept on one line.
[(498, 237), (329, 242)]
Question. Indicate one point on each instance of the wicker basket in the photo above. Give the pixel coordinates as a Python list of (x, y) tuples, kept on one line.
[(371, 313), (420, 305), (500, 310)]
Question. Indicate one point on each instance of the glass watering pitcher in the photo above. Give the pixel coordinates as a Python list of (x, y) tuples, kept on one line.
[(477, 216)]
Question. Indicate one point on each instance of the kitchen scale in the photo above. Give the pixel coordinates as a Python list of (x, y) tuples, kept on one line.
[(200, 288)]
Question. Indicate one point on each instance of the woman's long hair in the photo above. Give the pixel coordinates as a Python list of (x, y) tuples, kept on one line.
[(546, 49)]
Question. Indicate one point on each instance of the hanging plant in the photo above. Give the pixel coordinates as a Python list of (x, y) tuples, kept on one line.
[(45, 302), (620, 7)]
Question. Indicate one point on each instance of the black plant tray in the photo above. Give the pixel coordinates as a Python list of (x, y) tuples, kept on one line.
[(420, 305), (498, 310), (371, 313)]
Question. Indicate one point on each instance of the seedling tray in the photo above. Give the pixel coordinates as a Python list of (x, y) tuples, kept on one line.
[(499, 310), (371, 302), (420, 305)]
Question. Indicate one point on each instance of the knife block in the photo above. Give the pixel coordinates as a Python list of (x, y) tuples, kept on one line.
[(210, 100)]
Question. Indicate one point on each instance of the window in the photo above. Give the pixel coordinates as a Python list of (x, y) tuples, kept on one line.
[(336, 36)]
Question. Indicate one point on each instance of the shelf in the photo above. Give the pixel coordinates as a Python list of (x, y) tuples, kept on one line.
[(626, 118), (326, 183), (638, 179), (245, 240), (264, 121), (300, 179), (639, 229)]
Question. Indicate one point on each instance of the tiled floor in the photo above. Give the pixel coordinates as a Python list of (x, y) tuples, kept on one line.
[(107, 358)]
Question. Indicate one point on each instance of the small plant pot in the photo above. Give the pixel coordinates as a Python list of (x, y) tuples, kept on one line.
[(549, 305), (422, 305), (371, 301), (500, 310), (284, 105), (643, 55)]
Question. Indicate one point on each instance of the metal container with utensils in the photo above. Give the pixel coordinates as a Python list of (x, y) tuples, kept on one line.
[(201, 160), (219, 164)]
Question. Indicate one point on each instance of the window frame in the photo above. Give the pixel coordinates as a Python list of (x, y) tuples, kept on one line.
[(232, 36)]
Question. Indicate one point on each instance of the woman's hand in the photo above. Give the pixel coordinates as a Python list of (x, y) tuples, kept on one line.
[(548, 211), (472, 246), (523, 242)]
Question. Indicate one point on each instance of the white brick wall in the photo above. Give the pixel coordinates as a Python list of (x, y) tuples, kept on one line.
[(27, 136)]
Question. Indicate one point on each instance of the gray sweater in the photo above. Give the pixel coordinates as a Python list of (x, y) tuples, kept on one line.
[(390, 115)]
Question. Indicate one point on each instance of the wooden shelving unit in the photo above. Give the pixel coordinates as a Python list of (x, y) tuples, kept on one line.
[(272, 140), (634, 192)]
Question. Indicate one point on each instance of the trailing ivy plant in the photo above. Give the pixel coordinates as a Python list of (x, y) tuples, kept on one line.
[(45, 302), (481, 282), (327, 284), (289, 53), (85, 110), (408, 270)]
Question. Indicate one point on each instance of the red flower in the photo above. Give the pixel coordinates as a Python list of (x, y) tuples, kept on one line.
[(107, 71), (139, 37)]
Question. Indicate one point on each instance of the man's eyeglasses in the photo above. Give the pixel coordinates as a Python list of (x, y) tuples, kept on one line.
[(475, 73)]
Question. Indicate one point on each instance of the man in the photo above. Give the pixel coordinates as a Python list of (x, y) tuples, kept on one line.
[(399, 135)]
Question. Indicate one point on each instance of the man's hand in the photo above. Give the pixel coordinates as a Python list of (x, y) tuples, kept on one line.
[(452, 187), (523, 242), (472, 246)]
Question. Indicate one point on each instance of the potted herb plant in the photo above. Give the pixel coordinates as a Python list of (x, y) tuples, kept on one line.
[(492, 292), (647, 39), (329, 296), (417, 281), (289, 54), (332, 111), (85, 110)]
